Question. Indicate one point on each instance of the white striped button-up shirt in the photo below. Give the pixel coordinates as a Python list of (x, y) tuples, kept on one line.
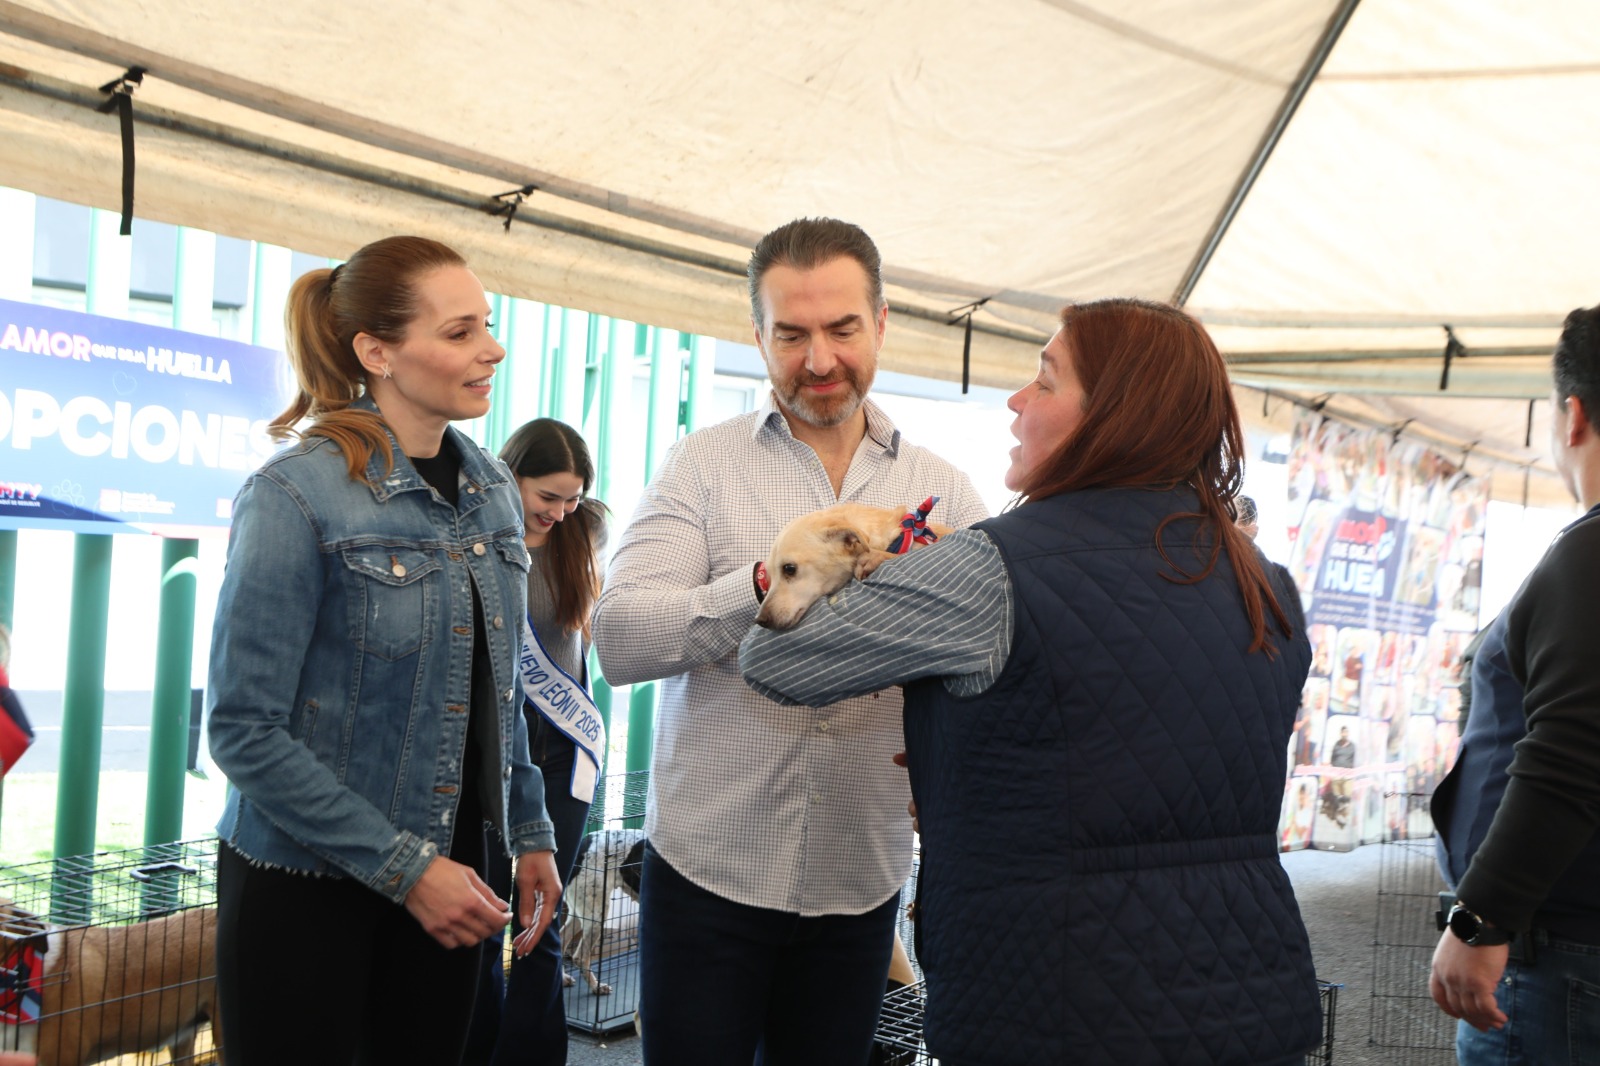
[(792, 809)]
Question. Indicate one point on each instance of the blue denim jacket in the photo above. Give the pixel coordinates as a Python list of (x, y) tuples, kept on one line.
[(341, 662)]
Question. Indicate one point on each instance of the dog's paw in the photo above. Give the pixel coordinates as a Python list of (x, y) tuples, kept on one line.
[(866, 564), (602, 989), (566, 979)]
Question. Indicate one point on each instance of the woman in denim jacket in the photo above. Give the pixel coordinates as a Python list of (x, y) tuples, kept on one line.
[(364, 699)]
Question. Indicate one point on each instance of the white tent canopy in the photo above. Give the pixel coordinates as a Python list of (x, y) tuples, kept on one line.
[(1328, 187)]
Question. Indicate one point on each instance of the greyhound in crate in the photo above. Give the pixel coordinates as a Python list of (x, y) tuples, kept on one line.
[(85, 994), (606, 860)]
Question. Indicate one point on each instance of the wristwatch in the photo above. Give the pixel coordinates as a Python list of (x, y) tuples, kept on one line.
[(1473, 930)]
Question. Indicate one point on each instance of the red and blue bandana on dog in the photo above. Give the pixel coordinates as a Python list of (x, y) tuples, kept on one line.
[(19, 988), (914, 529)]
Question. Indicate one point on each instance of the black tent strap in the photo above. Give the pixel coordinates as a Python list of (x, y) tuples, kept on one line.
[(964, 314), (120, 97), (506, 203), (1453, 349)]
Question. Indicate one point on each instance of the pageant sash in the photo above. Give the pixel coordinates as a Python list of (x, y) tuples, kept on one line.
[(564, 704)]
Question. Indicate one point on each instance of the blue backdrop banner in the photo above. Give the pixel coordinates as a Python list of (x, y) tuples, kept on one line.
[(109, 426)]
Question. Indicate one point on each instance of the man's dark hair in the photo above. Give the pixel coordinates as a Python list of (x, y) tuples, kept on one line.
[(807, 243), (1577, 361)]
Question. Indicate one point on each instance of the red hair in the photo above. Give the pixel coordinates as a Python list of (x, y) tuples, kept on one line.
[(1158, 412)]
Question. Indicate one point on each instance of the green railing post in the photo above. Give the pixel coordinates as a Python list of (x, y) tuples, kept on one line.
[(641, 735), (171, 705), (570, 367), (193, 295), (604, 700), (616, 377), (666, 380), (269, 290), (666, 388), (8, 577), (498, 424), (549, 356), (84, 695), (702, 367)]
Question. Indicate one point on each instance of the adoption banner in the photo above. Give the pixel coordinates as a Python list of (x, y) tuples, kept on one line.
[(110, 426), (1387, 551)]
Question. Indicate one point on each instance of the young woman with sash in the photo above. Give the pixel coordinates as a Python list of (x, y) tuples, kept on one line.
[(566, 533)]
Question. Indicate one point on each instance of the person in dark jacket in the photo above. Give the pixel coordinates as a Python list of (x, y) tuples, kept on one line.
[(1100, 685), (1518, 815)]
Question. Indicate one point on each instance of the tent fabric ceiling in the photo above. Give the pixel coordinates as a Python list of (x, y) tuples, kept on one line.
[(1038, 152)]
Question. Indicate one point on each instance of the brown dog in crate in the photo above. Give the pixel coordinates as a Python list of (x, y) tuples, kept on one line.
[(606, 860), (99, 991)]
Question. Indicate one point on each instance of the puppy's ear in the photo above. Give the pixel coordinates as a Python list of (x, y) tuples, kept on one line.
[(847, 538)]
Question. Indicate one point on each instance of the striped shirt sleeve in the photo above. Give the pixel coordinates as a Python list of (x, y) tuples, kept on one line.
[(940, 611)]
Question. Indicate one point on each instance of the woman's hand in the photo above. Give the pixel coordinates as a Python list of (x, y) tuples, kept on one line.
[(539, 894), (454, 906)]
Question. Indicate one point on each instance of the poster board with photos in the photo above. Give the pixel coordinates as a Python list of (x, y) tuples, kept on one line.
[(1386, 541)]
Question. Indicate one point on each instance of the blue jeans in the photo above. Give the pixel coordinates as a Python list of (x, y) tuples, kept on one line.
[(1553, 1007), (521, 1020), (723, 984)]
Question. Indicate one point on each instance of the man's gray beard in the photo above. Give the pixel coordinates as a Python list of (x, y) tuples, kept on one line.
[(837, 414), (827, 414)]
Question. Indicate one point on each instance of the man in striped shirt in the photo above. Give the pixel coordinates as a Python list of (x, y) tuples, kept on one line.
[(778, 836)]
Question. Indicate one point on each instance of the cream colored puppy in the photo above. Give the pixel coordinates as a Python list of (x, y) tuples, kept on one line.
[(818, 553)]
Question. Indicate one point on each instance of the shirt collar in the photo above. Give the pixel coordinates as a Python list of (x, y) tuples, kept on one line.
[(476, 468), (880, 428)]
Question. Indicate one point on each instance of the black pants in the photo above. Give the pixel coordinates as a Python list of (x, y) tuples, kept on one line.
[(724, 984), (521, 1020), (323, 970)]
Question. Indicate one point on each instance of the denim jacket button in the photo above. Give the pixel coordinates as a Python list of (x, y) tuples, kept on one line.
[(477, 549), (399, 570), (499, 623), (508, 773)]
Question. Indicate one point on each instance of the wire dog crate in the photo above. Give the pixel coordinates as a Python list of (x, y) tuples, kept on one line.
[(1404, 1016), (600, 910), (110, 953)]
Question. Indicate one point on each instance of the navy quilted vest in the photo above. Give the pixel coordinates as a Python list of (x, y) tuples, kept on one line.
[(1100, 879)]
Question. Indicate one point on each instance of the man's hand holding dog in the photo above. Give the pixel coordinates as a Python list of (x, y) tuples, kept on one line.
[(911, 808), (538, 894), (454, 906)]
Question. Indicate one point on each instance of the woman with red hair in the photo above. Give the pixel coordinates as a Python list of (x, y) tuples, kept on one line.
[(1100, 685)]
